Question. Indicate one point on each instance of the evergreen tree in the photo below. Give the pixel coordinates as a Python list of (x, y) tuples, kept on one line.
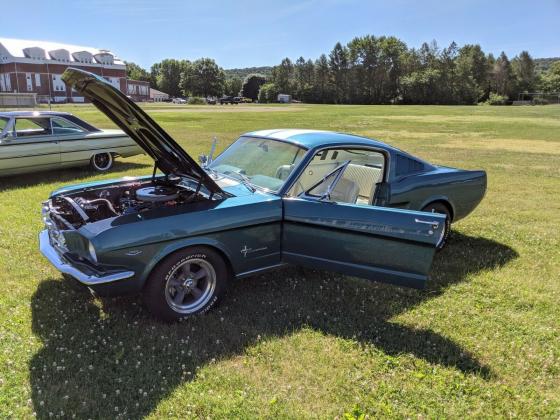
[(502, 76), (282, 76), (338, 65), (323, 92), (524, 71)]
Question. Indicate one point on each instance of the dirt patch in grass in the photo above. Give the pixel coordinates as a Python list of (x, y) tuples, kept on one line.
[(227, 108)]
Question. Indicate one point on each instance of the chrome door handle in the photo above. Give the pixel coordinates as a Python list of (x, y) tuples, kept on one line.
[(432, 223)]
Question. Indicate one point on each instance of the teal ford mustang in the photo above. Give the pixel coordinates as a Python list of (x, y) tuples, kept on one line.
[(275, 197)]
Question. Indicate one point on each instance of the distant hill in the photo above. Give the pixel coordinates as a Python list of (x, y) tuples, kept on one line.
[(542, 64), (242, 73)]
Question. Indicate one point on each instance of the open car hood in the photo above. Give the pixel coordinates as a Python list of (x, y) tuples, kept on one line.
[(169, 157)]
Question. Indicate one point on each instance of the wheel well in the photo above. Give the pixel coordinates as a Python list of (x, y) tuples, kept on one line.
[(444, 203), (113, 154)]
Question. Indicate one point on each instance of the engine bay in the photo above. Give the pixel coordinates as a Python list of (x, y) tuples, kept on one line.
[(98, 203)]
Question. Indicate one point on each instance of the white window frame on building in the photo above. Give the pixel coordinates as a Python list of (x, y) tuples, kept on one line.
[(58, 84), (37, 79), (29, 81), (5, 82)]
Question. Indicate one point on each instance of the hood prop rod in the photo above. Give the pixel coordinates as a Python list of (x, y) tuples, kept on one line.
[(154, 172)]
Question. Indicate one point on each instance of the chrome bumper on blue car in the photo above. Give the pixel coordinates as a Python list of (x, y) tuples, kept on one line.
[(61, 265)]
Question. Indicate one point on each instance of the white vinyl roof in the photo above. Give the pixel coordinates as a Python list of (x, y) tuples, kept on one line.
[(16, 47)]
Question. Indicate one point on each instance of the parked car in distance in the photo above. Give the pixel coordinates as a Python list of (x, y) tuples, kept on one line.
[(211, 101), (32, 141), (180, 101), (273, 197), (224, 100)]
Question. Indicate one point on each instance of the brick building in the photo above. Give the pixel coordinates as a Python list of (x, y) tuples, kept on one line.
[(37, 66)]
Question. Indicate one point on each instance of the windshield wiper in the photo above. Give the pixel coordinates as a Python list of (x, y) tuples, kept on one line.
[(211, 170), (244, 179)]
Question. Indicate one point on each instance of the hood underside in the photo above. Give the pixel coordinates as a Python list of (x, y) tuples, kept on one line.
[(169, 157)]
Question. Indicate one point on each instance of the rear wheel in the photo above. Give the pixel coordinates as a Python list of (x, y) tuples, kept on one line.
[(102, 162), (187, 283), (443, 209)]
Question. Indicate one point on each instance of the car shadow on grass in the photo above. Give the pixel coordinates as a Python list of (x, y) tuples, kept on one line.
[(108, 357), (62, 176)]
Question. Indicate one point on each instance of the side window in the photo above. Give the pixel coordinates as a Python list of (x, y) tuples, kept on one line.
[(62, 126), (358, 184), (406, 165), (31, 127)]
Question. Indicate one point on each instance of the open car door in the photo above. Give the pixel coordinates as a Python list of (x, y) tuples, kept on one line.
[(377, 243)]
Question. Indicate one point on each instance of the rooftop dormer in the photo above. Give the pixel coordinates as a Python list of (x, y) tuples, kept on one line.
[(60, 55), (83, 57), (104, 57), (36, 53)]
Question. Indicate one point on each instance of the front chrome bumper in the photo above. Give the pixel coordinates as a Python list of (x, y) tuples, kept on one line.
[(61, 265)]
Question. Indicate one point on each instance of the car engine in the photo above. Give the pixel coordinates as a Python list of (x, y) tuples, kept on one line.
[(91, 205)]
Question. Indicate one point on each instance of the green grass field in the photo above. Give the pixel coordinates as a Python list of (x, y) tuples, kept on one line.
[(483, 340)]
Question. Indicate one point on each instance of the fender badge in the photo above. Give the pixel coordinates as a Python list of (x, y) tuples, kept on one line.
[(246, 250), (134, 252)]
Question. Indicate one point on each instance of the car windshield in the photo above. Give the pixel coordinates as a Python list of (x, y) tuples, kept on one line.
[(264, 163)]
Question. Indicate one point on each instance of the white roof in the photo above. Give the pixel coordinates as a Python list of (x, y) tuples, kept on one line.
[(154, 92), (284, 133), (15, 48)]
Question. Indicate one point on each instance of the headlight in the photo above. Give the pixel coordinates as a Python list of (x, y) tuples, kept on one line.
[(92, 253)]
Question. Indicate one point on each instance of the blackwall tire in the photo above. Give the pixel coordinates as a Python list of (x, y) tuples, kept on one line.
[(187, 283), (102, 162), (441, 208)]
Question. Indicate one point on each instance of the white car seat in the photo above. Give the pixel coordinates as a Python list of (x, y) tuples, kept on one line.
[(346, 191), (366, 178)]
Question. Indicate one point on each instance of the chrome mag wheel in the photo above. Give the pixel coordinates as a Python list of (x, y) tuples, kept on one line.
[(190, 285)]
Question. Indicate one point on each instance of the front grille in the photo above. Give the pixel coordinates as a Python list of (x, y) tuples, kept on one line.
[(56, 235)]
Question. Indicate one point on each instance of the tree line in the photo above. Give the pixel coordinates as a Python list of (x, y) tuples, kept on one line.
[(367, 70)]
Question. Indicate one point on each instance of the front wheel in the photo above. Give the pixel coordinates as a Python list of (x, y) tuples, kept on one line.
[(102, 162), (187, 283), (442, 209)]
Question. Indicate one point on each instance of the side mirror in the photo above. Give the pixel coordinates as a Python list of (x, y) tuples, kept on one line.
[(202, 159)]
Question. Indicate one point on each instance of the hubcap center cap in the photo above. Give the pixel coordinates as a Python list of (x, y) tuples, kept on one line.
[(188, 283)]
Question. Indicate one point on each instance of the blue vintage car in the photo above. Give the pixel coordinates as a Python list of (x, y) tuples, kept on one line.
[(274, 197)]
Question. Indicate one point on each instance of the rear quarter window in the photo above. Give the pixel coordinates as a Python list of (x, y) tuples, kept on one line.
[(407, 166)]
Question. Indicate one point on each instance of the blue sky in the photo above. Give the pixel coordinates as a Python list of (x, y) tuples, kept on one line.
[(243, 33)]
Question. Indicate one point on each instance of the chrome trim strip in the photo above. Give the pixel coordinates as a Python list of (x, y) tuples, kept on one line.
[(55, 259), (260, 270)]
